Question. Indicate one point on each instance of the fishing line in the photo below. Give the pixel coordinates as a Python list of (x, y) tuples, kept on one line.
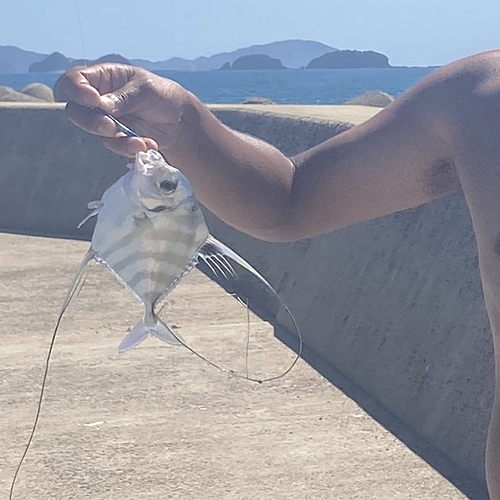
[(76, 288), (239, 375), (247, 347), (80, 29)]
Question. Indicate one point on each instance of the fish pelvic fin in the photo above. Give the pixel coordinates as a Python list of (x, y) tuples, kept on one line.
[(95, 206), (142, 331), (77, 283)]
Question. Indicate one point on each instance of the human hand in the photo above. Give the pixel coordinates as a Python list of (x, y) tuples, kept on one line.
[(148, 104)]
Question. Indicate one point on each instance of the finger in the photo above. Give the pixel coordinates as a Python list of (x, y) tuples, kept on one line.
[(124, 101), (86, 85), (91, 121), (130, 146), (75, 86)]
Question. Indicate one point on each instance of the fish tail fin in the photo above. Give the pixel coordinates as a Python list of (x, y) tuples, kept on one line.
[(141, 331), (165, 334), (135, 337)]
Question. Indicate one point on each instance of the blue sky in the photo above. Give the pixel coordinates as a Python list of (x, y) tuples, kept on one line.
[(410, 32)]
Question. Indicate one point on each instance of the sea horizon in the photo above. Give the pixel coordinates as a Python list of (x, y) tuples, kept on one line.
[(283, 86)]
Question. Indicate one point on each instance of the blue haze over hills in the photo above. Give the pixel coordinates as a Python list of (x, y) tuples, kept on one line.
[(292, 54)]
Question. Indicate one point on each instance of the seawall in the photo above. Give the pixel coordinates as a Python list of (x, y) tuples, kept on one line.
[(395, 304)]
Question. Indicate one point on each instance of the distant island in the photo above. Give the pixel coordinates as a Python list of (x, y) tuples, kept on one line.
[(292, 54), (256, 61), (345, 59)]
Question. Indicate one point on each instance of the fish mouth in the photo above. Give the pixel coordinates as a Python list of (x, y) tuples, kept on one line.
[(147, 161), (188, 200)]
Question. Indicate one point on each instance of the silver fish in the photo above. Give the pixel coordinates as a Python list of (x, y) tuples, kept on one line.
[(150, 233)]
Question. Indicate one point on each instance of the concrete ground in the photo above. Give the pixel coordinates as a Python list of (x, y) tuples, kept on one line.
[(159, 423)]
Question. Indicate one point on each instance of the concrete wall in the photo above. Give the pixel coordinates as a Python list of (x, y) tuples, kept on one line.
[(395, 304)]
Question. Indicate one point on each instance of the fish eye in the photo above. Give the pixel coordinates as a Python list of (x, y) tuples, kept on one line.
[(167, 186)]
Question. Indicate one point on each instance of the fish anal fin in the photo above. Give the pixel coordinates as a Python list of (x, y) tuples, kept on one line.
[(215, 249)]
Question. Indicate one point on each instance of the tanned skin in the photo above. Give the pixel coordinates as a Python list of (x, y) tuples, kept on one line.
[(440, 137)]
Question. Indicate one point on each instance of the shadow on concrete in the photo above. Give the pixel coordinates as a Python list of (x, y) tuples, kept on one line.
[(461, 479), (250, 291)]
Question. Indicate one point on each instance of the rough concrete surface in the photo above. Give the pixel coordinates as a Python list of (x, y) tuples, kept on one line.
[(159, 423), (395, 304)]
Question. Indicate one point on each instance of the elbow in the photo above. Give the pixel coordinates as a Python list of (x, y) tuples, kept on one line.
[(282, 234), (287, 229)]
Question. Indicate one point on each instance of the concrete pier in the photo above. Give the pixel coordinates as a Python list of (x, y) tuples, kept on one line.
[(395, 305)]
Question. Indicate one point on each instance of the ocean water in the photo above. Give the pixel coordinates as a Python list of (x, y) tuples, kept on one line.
[(280, 86)]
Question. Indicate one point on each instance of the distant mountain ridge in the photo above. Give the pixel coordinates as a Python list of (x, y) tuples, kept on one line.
[(16, 60), (59, 62), (291, 54)]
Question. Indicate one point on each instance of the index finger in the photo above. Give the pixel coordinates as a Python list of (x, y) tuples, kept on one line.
[(85, 86), (75, 86)]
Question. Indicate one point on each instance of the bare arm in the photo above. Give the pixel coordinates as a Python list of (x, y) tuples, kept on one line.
[(399, 159)]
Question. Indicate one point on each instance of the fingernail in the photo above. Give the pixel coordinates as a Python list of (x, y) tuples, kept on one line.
[(135, 144)]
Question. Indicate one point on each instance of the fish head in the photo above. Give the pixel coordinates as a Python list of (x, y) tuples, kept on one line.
[(155, 185)]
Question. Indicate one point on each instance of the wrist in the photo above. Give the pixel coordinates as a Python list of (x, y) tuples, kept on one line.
[(191, 130)]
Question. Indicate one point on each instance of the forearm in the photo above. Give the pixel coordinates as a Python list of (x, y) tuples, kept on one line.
[(244, 181)]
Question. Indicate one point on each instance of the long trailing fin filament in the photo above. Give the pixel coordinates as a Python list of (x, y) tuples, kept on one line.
[(75, 288)]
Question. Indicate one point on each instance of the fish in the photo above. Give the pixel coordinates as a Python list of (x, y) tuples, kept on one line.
[(150, 232)]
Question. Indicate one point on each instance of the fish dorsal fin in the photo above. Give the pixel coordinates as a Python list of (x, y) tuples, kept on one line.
[(215, 254)]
